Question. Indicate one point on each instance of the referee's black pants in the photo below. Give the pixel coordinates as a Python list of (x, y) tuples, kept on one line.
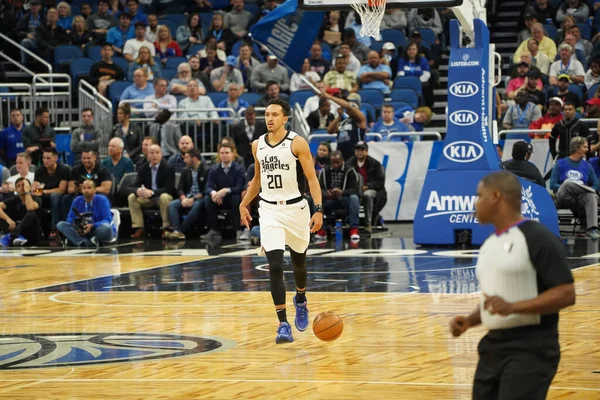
[(516, 365)]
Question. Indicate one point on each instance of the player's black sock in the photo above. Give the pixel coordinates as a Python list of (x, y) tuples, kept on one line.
[(299, 263), (275, 258)]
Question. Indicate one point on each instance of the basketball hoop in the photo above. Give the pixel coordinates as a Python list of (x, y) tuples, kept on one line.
[(371, 14)]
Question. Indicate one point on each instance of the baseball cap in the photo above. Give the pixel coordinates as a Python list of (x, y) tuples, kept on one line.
[(523, 63), (272, 57), (594, 101), (534, 73), (361, 145), (231, 60), (36, 2), (564, 76), (558, 100), (388, 46), (529, 14), (415, 33), (520, 150)]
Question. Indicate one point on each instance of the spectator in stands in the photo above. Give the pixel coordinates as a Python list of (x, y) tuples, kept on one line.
[(352, 63), (166, 47), (179, 84), (374, 75), (530, 18), (545, 44), (535, 58), (297, 83), (236, 157), (221, 33), (210, 61), (191, 33), (146, 143), (11, 138), (247, 131), (531, 87), (566, 65), (28, 26), (88, 169), (39, 135), (349, 125), (136, 15), (374, 195), (233, 101), (224, 185), (567, 23), (358, 49), (388, 56), (118, 35), (322, 158), (130, 133), (212, 42), (245, 63), (415, 120), (140, 88), (592, 76), (389, 123), (321, 118), (563, 91), (522, 113), (197, 74), (198, 6), (394, 19), (270, 71), (578, 54), (10, 15), (520, 81), (593, 108), (312, 103), (425, 51), (520, 165), (146, 62), (340, 187), (65, 20), (545, 12), (115, 163), (22, 165), (104, 72), (271, 93), (86, 10), (425, 18), (575, 183), (99, 23), (221, 77), (163, 7), (340, 78), (412, 64), (581, 43), (154, 188), (164, 99), (331, 32), (552, 117), (167, 134), (190, 193), (19, 217), (79, 36), (178, 160), (50, 184), (99, 227), (194, 101), (152, 28), (569, 127), (575, 8), (50, 35), (317, 63), (132, 46), (87, 136), (238, 19)]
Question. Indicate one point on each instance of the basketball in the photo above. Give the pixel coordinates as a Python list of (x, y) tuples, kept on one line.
[(328, 326)]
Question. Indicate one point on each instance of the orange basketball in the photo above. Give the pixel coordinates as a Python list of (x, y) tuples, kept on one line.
[(328, 326)]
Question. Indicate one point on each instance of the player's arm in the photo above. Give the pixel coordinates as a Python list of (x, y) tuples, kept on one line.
[(302, 151), (460, 324), (252, 190)]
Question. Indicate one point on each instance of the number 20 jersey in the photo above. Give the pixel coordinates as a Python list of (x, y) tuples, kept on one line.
[(281, 174)]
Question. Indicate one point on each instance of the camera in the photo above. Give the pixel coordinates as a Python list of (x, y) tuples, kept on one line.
[(81, 220)]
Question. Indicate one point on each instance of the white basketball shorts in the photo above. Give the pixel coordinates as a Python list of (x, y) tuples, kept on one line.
[(284, 224)]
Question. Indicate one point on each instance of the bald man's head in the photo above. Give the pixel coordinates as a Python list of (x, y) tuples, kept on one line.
[(508, 185)]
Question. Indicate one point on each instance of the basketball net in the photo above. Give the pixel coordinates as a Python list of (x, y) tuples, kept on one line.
[(371, 13)]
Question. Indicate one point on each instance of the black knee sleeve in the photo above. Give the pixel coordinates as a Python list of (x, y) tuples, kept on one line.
[(299, 263), (275, 258)]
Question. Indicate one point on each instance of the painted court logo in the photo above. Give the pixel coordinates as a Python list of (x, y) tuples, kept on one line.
[(61, 349)]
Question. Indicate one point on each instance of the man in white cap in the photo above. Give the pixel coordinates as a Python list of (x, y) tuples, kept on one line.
[(221, 77), (552, 117), (388, 56), (270, 71)]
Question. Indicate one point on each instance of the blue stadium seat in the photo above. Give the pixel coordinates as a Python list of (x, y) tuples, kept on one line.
[(206, 18), (573, 88), (252, 7), (121, 62), (179, 19), (115, 90), (398, 104), (376, 46), (551, 31), (408, 96), (219, 4), (93, 52), (194, 49), (171, 24), (586, 30), (63, 147), (168, 73), (65, 53), (251, 98), (235, 49), (173, 62), (395, 36), (409, 82), (369, 110), (217, 97), (300, 96), (592, 91), (80, 67), (372, 96), (428, 35)]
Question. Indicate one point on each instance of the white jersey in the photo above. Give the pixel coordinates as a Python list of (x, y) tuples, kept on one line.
[(281, 175)]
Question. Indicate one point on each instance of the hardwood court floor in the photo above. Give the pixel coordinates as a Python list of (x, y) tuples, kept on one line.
[(395, 345)]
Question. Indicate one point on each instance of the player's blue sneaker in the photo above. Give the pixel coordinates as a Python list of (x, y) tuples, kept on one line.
[(5, 240), (284, 333), (301, 320)]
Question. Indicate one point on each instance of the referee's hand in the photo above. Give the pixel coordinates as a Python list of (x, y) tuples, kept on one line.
[(497, 305), (459, 325)]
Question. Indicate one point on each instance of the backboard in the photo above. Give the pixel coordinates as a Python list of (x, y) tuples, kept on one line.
[(320, 5)]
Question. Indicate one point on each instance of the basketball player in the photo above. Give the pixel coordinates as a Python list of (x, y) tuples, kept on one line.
[(280, 158), (525, 281)]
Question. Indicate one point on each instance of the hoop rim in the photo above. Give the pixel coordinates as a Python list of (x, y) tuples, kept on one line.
[(317, 5)]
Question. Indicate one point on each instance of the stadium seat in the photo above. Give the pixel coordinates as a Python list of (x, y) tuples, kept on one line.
[(398, 105), (395, 36), (369, 110), (206, 18), (551, 31), (217, 97), (428, 35), (408, 96), (173, 62), (552, 90), (300, 96), (235, 49), (171, 24), (63, 147), (194, 49), (121, 62), (93, 52), (168, 73), (376, 46), (592, 91), (80, 67), (115, 90), (64, 54), (250, 98), (179, 19), (219, 4), (372, 96), (409, 82), (253, 8), (586, 30)]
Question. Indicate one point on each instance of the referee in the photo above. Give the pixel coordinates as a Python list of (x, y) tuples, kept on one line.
[(525, 281)]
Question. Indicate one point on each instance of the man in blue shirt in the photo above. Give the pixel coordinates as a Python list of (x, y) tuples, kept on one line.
[(232, 101), (389, 123), (115, 163), (374, 75), (118, 35), (90, 218), (11, 138), (575, 184), (136, 14)]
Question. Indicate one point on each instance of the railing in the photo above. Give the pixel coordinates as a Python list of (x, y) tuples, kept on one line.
[(23, 99), (331, 136), (436, 135), (28, 52), (89, 97), (505, 132), (55, 95), (300, 125)]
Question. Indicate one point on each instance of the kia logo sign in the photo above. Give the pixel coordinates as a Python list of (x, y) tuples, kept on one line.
[(464, 89), (463, 118), (463, 151)]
